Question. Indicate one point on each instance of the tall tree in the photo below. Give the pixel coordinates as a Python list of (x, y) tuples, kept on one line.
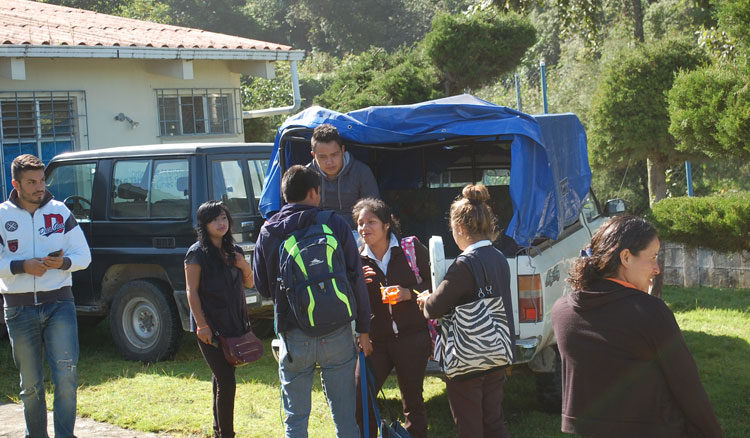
[(629, 118), (471, 50), (709, 108)]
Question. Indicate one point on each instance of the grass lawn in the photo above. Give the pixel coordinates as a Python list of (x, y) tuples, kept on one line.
[(175, 396)]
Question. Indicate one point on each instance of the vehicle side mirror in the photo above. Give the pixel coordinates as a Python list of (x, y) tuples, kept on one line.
[(616, 206)]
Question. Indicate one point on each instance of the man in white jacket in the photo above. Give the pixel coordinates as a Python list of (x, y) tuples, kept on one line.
[(40, 245)]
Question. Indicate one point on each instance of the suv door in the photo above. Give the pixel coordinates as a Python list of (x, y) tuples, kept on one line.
[(72, 184), (236, 180)]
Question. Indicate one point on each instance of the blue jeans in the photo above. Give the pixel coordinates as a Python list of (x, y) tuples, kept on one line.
[(51, 328), (337, 356)]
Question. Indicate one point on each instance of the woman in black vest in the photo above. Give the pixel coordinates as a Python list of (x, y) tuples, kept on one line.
[(215, 273), (398, 331), (475, 398)]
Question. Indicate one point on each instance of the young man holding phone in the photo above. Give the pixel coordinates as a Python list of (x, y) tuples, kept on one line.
[(40, 245)]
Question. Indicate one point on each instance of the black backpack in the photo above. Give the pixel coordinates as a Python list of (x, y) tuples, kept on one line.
[(314, 278)]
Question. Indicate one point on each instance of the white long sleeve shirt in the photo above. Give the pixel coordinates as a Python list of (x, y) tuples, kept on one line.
[(24, 236)]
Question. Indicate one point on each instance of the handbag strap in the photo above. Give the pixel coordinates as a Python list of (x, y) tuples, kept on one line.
[(364, 389), (475, 264), (366, 386), (407, 245)]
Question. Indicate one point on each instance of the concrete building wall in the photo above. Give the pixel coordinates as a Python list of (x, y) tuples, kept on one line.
[(691, 267), (127, 86)]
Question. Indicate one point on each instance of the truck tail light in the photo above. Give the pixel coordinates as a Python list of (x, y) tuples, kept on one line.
[(530, 298)]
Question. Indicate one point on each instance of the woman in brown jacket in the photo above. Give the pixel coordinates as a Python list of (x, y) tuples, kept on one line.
[(398, 332), (626, 369)]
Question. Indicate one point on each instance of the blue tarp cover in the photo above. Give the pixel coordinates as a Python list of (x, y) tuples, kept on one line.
[(550, 172)]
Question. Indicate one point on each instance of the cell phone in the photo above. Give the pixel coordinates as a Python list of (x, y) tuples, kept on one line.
[(55, 253)]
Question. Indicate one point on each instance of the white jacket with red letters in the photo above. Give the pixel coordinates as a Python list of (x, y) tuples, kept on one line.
[(24, 236)]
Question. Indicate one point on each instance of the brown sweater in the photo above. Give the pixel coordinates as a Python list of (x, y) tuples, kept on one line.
[(406, 314), (627, 371)]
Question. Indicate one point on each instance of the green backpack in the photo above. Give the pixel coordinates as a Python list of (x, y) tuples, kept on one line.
[(314, 278)]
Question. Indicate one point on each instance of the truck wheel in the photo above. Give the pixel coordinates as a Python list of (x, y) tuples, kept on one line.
[(145, 324), (549, 387), (262, 327)]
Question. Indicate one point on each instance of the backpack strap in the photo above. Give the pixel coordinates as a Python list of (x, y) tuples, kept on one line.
[(323, 216), (407, 245)]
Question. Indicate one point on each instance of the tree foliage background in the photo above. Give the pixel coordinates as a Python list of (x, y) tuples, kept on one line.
[(375, 52)]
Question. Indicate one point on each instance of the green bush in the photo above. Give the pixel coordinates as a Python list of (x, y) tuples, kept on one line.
[(720, 222), (472, 50)]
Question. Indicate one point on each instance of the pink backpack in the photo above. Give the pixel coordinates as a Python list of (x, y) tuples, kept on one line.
[(407, 245)]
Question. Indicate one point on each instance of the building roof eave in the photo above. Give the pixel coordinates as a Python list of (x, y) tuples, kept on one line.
[(114, 52)]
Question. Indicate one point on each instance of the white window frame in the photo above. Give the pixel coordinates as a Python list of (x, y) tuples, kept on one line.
[(233, 119)]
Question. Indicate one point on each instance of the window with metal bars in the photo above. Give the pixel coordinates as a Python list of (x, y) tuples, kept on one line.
[(42, 123), (191, 111)]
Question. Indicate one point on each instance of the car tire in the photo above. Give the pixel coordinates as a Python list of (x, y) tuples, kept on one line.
[(144, 322), (262, 327), (549, 387)]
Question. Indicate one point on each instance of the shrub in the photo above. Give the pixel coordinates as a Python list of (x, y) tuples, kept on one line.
[(472, 50), (720, 222)]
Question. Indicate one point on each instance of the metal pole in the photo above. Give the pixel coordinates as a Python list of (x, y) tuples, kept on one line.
[(544, 84), (518, 92), (689, 177)]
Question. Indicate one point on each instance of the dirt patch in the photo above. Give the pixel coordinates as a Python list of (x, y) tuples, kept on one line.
[(13, 426)]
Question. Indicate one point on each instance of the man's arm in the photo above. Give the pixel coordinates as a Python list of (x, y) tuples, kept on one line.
[(76, 252), (354, 266), (260, 273)]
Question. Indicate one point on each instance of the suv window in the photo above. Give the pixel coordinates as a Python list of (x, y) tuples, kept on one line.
[(72, 184), (229, 185), (139, 192), (257, 176)]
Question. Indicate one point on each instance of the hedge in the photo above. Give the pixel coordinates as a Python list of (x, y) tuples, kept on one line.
[(719, 222)]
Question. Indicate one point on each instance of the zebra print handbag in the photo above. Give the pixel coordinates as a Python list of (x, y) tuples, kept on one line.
[(475, 336)]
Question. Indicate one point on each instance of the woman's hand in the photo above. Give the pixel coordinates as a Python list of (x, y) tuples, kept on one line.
[(204, 334), (404, 294), (240, 262), (422, 298), (247, 271), (369, 274)]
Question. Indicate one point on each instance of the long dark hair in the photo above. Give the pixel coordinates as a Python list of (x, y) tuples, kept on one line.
[(379, 209), (602, 256), (207, 212)]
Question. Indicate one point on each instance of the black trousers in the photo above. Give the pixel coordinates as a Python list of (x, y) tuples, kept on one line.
[(476, 405), (409, 355), (224, 386)]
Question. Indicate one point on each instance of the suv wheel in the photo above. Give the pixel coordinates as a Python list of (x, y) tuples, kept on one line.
[(145, 324), (549, 387)]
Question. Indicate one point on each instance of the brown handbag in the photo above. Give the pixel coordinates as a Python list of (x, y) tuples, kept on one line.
[(241, 350)]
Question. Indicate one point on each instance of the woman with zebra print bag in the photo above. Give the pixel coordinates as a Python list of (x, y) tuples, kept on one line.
[(474, 303)]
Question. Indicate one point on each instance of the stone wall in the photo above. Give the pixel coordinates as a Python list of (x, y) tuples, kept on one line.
[(691, 267)]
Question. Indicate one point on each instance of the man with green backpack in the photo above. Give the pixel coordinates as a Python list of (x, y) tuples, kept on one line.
[(306, 259)]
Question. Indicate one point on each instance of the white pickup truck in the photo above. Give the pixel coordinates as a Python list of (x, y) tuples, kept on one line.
[(535, 168)]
